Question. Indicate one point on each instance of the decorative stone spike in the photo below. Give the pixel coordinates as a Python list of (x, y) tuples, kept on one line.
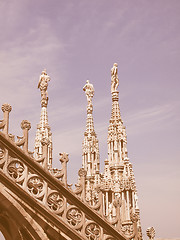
[(25, 126), (4, 124), (43, 129), (64, 159), (118, 180), (90, 148)]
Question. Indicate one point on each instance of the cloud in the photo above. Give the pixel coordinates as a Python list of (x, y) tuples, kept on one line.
[(153, 118)]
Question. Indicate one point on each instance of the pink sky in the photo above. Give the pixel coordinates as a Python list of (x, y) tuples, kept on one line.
[(79, 40)]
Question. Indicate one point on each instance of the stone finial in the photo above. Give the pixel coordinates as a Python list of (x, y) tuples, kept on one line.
[(82, 172), (89, 90), (64, 157), (25, 124), (43, 84), (4, 124), (150, 233), (114, 78), (6, 107), (23, 141)]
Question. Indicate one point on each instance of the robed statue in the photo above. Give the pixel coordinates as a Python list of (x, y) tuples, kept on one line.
[(43, 84), (89, 90)]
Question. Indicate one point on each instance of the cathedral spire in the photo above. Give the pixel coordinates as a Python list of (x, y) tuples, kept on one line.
[(115, 114), (43, 140), (118, 178), (116, 130), (90, 146)]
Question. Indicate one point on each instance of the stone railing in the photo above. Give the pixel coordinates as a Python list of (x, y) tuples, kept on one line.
[(49, 188)]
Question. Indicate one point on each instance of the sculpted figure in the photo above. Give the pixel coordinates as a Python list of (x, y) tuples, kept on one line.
[(114, 78), (43, 84), (89, 90), (136, 200)]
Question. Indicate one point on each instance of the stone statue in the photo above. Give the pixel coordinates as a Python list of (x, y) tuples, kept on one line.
[(89, 90), (43, 84), (136, 201), (114, 78)]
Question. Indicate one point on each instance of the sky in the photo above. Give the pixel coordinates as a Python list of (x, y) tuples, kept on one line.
[(76, 40)]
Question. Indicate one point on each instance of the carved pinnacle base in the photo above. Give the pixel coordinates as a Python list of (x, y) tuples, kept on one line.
[(115, 96), (89, 109), (44, 102), (117, 167)]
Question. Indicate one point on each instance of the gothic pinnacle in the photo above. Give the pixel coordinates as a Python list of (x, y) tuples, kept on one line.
[(118, 178), (43, 129), (90, 147)]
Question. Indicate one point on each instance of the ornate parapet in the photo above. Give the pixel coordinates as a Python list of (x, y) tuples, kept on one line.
[(102, 206), (68, 212), (25, 126)]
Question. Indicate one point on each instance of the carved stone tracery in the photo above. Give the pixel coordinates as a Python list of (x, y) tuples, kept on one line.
[(74, 216), (35, 186), (15, 169), (92, 231), (55, 201)]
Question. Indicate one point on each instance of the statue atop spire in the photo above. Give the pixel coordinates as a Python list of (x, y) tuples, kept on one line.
[(90, 150), (89, 90), (114, 78), (43, 84)]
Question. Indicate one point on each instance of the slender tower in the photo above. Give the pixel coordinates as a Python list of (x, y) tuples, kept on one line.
[(118, 178), (43, 140), (90, 148)]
